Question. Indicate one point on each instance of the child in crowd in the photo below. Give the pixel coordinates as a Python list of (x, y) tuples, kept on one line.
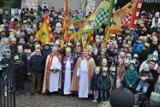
[(131, 77), (145, 75), (94, 85), (104, 84)]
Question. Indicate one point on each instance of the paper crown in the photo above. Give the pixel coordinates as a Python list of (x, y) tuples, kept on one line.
[(147, 44), (37, 46), (54, 48), (142, 25), (16, 57), (47, 43), (113, 35), (68, 49), (104, 68), (154, 38), (112, 69)]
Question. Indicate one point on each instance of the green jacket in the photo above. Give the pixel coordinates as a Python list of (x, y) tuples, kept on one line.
[(131, 78)]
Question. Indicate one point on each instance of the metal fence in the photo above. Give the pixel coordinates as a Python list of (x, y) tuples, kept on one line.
[(7, 86)]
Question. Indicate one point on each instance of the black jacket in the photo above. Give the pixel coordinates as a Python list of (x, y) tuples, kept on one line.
[(94, 82)]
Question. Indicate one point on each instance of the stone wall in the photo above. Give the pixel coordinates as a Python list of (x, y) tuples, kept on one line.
[(73, 4)]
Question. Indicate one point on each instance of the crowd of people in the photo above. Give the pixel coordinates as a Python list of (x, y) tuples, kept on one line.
[(131, 59)]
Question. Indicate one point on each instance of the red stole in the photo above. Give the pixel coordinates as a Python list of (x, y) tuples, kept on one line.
[(51, 56)]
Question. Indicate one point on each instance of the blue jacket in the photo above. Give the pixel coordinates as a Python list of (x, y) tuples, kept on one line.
[(45, 52), (137, 47)]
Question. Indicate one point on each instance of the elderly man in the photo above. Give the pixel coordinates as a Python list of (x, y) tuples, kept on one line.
[(82, 75), (68, 68), (52, 72)]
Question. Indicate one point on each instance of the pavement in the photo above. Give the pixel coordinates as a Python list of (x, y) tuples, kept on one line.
[(54, 100)]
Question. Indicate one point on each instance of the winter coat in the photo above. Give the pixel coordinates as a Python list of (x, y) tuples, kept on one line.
[(147, 74), (104, 83), (131, 78), (5, 62), (137, 47), (13, 49), (153, 48), (94, 82), (36, 64), (45, 53), (143, 55)]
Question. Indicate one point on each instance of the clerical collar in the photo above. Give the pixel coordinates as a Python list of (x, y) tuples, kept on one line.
[(85, 58)]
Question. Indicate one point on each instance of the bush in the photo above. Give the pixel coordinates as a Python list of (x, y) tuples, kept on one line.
[(16, 4), (1, 3)]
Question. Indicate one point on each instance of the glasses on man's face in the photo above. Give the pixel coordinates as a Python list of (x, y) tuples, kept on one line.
[(38, 51)]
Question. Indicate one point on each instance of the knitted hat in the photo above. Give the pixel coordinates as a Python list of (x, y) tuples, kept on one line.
[(157, 14), (58, 24), (97, 69), (146, 66), (150, 55), (20, 47), (155, 53), (122, 54), (132, 62), (13, 39), (122, 97), (135, 55), (101, 37), (104, 61), (126, 61), (129, 56)]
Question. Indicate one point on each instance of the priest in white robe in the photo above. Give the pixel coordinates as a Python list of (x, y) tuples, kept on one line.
[(67, 68), (83, 72), (52, 77)]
